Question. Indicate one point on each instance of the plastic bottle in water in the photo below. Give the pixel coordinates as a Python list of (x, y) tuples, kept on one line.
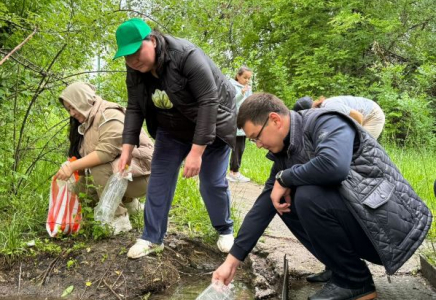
[(216, 291)]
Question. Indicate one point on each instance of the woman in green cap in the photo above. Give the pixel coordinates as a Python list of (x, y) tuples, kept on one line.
[(189, 108)]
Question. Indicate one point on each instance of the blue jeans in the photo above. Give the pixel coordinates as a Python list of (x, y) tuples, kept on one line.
[(168, 156)]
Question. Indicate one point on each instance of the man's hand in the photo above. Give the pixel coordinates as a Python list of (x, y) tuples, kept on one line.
[(193, 161), (227, 270), (278, 192)]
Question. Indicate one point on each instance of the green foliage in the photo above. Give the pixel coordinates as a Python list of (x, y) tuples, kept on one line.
[(383, 50), (189, 214), (254, 164)]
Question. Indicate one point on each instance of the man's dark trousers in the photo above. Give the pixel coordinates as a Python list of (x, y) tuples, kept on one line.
[(322, 222)]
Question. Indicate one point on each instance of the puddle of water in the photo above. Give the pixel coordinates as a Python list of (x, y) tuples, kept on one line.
[(30, 297), (189, 289)]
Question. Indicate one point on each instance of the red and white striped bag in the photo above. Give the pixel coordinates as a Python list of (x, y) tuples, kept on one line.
[(64, 211)]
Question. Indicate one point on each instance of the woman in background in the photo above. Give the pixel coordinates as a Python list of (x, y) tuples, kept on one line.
[(243, 90)]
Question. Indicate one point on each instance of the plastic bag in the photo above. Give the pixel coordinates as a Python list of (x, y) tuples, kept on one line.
[(216, 291), (111, 197), (64, 211)]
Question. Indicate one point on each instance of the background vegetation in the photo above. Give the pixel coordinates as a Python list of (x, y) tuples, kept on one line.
[(384, 50)]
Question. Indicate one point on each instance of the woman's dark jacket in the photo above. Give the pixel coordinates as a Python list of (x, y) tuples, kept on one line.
[(195, 86)]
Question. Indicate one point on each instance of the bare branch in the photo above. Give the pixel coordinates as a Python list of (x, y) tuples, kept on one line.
[(88, 72), (18, 47), (144, 15), (32, 102), (24, 62)]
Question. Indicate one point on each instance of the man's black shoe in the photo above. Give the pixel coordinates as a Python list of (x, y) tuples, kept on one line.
[(330, 291), (323, 276)]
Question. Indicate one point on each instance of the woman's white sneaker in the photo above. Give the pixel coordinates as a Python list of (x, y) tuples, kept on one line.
[(134, 206), (121, 224), (143, 248), (237, 177)]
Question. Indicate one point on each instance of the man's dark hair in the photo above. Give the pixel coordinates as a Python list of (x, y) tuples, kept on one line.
[(257, 106), (303, 103)]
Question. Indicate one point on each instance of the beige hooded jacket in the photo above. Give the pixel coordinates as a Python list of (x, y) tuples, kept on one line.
[(103, 128)]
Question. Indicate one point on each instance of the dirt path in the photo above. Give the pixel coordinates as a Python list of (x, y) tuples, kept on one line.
[(278, 241)]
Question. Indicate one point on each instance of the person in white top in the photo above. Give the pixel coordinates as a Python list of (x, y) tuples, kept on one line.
[(365, 111), (243, 90)]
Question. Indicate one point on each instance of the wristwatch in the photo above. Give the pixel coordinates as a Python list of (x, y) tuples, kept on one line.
[(280, 179)]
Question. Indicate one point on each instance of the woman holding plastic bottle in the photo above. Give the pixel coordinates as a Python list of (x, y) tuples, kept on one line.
[(189, 108), (96, 127)]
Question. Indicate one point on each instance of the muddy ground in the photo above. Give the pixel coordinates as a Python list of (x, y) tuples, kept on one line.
[(103, 271)]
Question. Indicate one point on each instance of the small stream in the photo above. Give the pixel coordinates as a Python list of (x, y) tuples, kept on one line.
[(190, 288)]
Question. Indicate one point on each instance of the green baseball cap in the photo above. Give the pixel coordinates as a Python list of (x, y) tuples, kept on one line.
[(130, 35)]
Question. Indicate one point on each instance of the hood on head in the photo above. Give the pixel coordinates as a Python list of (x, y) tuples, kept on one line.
[(81, 96)]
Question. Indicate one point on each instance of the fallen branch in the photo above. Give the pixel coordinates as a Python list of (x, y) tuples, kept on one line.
[(18, 47), (48, 270), (19, 279), (104, 275), (115, 282), (113, 292)]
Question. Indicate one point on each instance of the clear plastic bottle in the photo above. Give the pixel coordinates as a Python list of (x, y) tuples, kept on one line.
[(216, 291), (111, 197)]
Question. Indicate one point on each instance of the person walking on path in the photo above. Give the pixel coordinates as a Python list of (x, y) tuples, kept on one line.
[(189, 108), (338, 192), (365, 111), (96, 128), (243, 90)]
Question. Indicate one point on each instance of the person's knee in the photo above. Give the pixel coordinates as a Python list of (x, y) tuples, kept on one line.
[(303, 196), (307, 198)]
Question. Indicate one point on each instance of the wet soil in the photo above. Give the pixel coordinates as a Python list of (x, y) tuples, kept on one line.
[(103, 271)]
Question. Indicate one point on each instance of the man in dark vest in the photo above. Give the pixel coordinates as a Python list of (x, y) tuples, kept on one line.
[(338, 192)]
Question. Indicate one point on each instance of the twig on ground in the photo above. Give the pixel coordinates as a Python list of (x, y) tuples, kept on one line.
[(19, 279), (102, 277), (115, 282), (125, 287), (83, 294), (49, 269), (113, 292)]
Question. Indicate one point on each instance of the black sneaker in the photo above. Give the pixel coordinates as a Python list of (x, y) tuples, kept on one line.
[(330, 291), (323, 276)]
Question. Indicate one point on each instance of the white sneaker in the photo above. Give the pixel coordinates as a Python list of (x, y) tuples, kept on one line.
[(225, 242), (143, 248), (121, 224), (237, 177), (134, 206)]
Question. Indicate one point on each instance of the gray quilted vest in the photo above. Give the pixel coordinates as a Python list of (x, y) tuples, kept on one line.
[(392, 215)]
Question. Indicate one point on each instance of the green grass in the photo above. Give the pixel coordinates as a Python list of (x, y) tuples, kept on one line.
[(254, 163), (418, 166), (189, 214), (23, 217)]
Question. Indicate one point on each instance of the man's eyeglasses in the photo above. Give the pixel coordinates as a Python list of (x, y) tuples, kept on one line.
[(260, 132)]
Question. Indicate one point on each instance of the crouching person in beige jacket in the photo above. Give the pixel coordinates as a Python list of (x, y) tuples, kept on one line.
[(96, 128)]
